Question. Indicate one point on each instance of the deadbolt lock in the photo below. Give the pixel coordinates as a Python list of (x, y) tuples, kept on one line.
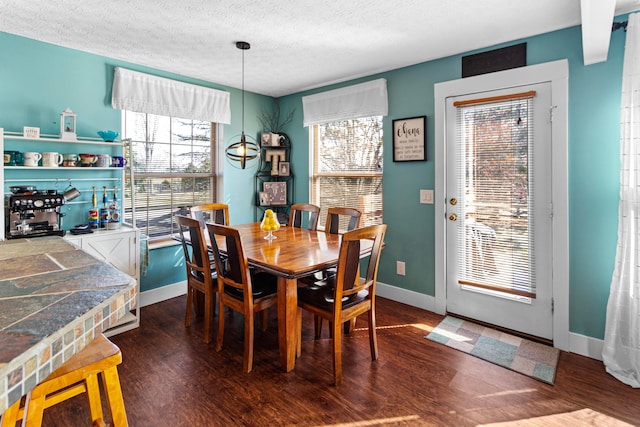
[(453, 217), (453, 201)]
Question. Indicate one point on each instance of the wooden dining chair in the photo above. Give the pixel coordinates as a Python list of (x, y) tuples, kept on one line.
[(210, 212), (349, 295), (201, 276), (76, 376), (296, 215), (240, 288), (338, 220)]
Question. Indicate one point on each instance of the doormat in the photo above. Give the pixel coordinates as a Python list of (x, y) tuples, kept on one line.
[(527, 357)]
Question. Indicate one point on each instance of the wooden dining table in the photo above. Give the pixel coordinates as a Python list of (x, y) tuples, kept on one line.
[(294, 253)]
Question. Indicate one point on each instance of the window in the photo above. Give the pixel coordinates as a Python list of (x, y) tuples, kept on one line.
[(347, 167), (173, 167)]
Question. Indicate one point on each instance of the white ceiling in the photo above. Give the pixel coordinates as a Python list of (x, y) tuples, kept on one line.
[(296, 44)]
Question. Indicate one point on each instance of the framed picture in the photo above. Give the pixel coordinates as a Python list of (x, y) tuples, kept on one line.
[(264, 198), (276, 191), (409, 139), (265, 139), (284, 168)]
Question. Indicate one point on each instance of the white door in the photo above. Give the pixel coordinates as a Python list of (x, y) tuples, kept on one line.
[(499, 213)]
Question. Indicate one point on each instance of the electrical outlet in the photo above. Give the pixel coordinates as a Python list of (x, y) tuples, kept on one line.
[(400, 268), (426, 196)]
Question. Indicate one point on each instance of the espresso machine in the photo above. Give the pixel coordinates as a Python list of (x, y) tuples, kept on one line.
[(33, 213)]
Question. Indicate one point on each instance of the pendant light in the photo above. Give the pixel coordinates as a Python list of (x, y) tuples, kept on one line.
[(243, 151)]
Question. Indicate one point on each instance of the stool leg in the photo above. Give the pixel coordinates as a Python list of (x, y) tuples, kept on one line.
[(10, 416), (114, 397), (93, 397), (34, 408)]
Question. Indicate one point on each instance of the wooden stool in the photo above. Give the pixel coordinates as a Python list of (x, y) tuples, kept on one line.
[(78, 375)]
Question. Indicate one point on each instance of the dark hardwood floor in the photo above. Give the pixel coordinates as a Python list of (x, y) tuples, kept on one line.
[(171, 378)]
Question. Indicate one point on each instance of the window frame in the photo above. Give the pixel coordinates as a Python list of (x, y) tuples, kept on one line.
[(131, 209), (315, 176)]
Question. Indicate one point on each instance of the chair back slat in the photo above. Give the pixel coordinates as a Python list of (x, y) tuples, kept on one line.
[(333, 224), (296, 215), (196, 257), (210, 212)]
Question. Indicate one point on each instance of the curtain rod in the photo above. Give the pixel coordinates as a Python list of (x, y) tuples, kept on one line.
[(617, 25)]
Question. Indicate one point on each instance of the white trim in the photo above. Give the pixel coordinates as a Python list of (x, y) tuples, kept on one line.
[(405, 296), (557, 73), (586, 346), (163, 293)]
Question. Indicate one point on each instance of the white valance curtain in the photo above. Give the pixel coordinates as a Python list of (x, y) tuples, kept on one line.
[(621, 352), (144, 93), (361, 100)]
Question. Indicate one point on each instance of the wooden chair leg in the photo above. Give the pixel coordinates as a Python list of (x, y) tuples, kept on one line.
[(299, 332), (220, 335), (208, 317), (248, 342), (264, 319), (337, 353), (187, 316), (317, 320), (373, 340)]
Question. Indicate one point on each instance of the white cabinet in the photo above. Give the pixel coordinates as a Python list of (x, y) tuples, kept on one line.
[(121, 249)]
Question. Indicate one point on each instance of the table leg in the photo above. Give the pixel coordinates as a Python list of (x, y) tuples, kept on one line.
[(287, 333)]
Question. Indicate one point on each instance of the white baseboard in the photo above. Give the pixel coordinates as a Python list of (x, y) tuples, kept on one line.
[(405, 296), (586, 346), (579, 344), (163, 293)]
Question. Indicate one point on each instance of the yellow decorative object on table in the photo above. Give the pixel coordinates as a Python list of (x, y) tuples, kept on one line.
[(269, 224)]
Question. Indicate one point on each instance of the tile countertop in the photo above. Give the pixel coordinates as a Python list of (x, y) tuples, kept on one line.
[(54, 298)]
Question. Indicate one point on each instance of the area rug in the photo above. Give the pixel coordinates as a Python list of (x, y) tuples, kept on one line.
[(527, 357)]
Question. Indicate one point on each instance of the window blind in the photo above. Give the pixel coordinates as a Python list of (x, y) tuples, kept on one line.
[(494, 144), (352, 102), (347, 168), (144, 93)]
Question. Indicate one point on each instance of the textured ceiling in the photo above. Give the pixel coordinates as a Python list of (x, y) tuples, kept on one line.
[(295, 45)]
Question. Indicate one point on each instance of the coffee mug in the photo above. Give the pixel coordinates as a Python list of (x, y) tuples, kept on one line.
[(31, 158), (13, 158), (87, 159), (118, 161), (104, 161), (51, 159), (70, 160)]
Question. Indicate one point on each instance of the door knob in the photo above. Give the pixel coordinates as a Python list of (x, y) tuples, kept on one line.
[(453, 201), (453, 217)]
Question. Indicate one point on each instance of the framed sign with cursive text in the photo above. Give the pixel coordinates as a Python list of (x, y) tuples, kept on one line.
[(409, 139)]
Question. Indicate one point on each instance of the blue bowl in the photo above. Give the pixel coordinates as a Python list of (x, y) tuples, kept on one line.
[(108, 135)]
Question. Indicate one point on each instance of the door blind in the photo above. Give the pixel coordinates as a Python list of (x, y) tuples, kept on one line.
[(495, 236)]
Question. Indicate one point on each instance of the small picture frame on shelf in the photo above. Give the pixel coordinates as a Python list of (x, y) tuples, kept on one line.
[(277, 192), (264, 198), (31, 132), (265, 139), (283, 168)]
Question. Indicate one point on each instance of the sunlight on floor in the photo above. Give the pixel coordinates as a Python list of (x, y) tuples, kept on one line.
[(420, 326), (582, 417), (508, 392), (376, 422)]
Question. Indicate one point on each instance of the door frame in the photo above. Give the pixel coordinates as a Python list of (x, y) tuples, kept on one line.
[(557, 73)]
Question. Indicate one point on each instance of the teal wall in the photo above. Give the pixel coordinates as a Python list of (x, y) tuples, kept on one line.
[(593, 172), (42, 80)]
